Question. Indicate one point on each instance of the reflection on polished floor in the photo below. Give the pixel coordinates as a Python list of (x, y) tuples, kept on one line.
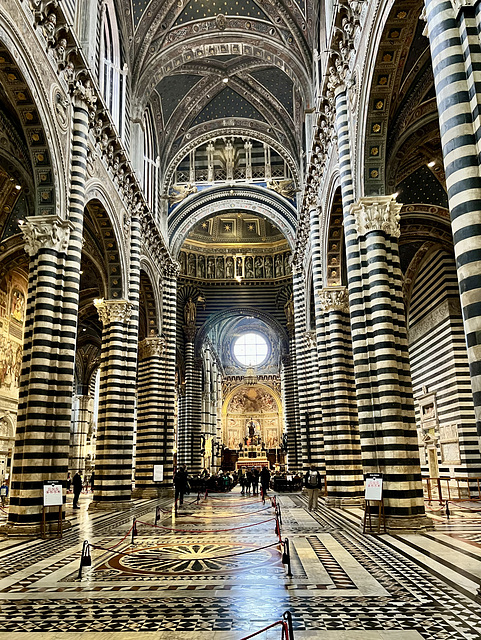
[(215, 572)]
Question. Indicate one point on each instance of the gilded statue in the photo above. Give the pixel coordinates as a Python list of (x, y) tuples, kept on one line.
[(284, 188), (180, 192)]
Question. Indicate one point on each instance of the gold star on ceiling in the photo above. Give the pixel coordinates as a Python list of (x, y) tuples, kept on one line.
[(227, 227), (204, 225), (251, 227)]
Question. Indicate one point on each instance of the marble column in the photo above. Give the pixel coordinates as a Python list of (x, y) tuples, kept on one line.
[(54, 244), (342, 447), (381, 363), (152, 437), (115, 431), (82, 415)]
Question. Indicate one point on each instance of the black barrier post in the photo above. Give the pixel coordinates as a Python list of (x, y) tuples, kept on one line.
[(134, 531), (287, 616), (198, 496), (85, 558), (286, 557), (279, 515), (448, 512), (157, 514)]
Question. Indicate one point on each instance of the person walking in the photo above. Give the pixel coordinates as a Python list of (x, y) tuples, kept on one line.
[(180, 483), (248, 481), (255, 481), (312, 482), (265, 476), (77, 489)]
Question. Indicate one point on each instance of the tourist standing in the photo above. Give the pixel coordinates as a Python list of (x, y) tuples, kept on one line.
[(77, 489), (180, 483), (312, 482)]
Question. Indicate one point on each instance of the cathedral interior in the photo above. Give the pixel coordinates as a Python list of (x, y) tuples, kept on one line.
[(240, 235)]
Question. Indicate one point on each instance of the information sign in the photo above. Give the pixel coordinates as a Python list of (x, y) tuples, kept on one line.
[(52, 494), (158, 472), (373, 489)]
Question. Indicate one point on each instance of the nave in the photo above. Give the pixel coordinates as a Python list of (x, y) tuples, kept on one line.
[(215, 572)]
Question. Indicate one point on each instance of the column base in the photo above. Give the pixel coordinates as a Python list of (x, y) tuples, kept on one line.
[(119, 505), (340, 503), (14, 530), (152, 492), (408, 524)]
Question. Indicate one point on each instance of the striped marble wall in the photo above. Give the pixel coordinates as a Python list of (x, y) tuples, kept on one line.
[(439, 365)]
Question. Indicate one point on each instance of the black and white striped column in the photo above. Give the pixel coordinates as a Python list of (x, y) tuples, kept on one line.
[(381, 361), (167, 390), (116, 415), (316, 436), (454, 37), (342, 446), (151, 444), (54, 245), (81, 417), (299, 343), (185, 447)]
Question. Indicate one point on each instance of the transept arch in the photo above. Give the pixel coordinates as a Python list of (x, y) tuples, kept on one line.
[(218, 199)]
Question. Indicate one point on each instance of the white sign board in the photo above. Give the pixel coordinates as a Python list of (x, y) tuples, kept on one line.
[(52, 494), (158, 472), (373, 489), (289, 478)]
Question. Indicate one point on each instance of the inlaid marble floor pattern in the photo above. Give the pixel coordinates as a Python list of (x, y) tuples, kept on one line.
[(215, 572)]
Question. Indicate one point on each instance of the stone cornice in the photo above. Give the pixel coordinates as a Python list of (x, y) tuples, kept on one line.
[(46, 232), (377, 213)]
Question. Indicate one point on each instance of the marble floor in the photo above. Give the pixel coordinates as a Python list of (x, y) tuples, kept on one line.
[(214, 571)]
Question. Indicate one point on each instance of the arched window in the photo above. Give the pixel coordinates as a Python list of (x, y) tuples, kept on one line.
[(150, 175), (112, 75)]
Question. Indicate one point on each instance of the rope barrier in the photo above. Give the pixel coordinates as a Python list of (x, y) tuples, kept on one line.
[(115, 545), (231, 555), (245, 526)]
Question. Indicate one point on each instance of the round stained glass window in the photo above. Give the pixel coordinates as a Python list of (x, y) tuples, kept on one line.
[(251, 349)]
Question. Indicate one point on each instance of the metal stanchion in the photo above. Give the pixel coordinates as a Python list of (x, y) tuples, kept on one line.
[(286, 557), (448, 512), (134, 530), (287, 616), (85, 558), (157, 514)]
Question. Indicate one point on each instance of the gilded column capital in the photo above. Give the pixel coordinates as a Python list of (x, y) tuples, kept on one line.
[(377, 213), (334, 299), (190, 331), (150, 347), (113, 311), (46, 232)]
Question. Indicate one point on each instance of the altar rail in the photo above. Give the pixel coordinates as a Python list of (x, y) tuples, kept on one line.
[(452, 489)]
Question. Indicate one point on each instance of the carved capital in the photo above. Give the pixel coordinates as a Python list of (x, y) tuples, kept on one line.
[(84, 92), (151, 347), (190, 331), (114, 311), (377, 213), (310, 338), (172, 268), (286, 360), (46, 232), (334, 299)]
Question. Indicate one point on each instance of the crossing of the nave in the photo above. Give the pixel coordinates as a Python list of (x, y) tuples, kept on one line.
[(215, 570), (240, 246)]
